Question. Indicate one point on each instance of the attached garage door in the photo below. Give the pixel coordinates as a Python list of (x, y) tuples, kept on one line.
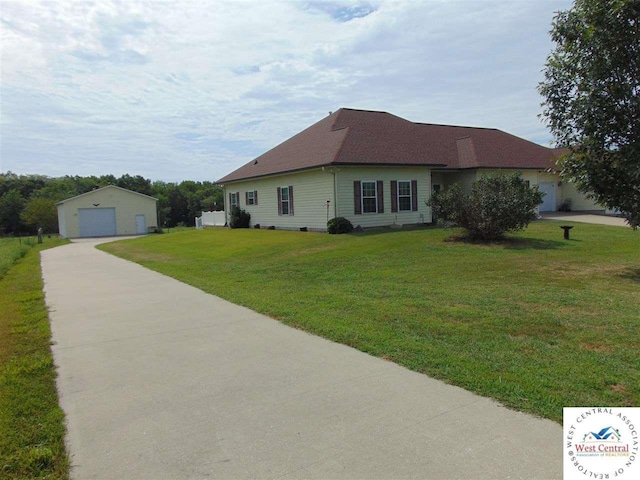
[(97, 222)]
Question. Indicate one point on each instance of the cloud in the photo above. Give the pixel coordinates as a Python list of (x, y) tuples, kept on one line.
[(175, 90)]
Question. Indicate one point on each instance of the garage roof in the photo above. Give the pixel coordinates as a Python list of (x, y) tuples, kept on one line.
[(103, 188)]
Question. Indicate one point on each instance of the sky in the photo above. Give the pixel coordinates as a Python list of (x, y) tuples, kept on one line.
[(191, 90)]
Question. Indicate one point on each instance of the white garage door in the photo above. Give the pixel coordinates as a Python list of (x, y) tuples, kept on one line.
[(549, 200), (97, 222)]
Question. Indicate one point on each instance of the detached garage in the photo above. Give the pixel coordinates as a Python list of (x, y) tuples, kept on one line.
[(106, 212)]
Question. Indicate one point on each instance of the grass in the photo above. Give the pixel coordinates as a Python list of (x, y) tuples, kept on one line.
[(31, 422), (11, 249), (536, 322)]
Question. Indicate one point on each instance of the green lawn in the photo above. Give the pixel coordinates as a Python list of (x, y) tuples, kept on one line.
[(537, 323), (31, 422), (11, 249)]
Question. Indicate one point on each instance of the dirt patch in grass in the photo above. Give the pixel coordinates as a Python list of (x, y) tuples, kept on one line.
[(619, 388), (310, 251), (592, 347), (632, 274), (517, 243)]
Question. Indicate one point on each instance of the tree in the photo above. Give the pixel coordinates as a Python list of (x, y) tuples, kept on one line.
[(591, 93), (135, 183), (496, 204), (41, 212), (11, 204)]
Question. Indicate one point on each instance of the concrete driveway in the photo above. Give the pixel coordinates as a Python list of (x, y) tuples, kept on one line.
[(162, 381), (583, 217)]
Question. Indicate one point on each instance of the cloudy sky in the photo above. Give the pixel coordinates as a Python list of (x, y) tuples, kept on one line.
[(176, 90)]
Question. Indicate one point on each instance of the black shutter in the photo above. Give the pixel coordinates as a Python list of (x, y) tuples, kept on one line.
[(414, 195), (357, 202), (255, 197), (394, 195), (246, 198), (230, 200), (380, 197), (279, 201), (290, 200)]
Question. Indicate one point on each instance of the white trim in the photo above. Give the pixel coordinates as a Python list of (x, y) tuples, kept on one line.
[(235, 195), (282, 201), (410, 195)]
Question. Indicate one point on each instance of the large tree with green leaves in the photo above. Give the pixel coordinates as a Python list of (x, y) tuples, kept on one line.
[(591, 93), (11, 205), (40, 212)]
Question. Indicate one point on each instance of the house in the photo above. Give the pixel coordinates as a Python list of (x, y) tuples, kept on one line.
[(107, 211), (377, 169)]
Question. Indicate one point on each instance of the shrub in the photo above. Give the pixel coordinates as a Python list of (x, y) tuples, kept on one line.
[(496, 204), (239, 218), (339, 225), (565, 206)]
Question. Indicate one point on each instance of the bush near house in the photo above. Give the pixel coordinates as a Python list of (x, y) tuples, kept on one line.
[(496, 204), (339, 225), (239, 218)]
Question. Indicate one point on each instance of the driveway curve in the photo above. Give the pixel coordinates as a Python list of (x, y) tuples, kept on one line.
[(160, 380)]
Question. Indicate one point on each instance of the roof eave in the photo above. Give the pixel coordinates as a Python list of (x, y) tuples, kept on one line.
[(102, 188), (223, 181)]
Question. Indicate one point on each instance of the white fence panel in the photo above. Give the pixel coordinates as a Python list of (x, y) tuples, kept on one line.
[(212, 219)]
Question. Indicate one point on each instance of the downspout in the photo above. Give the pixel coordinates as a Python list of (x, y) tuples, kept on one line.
[(333, 171), (335, 192)]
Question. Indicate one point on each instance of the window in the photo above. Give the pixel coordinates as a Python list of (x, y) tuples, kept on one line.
[(369, 197), (285, 200), (251, 198), (234, 199), (404, 196)]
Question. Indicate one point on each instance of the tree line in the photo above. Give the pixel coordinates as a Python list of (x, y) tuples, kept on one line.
[(28, 201)]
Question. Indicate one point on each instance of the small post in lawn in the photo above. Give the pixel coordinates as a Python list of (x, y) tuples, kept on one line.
[(566, 229)]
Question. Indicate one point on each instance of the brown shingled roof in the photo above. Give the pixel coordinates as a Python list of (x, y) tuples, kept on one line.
[(361, 137)]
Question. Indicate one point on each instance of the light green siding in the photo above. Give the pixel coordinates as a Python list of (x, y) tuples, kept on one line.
[(465, 179), (534, 177), (127, 205), (345, 177), (579, 201), (311, 190), (563, 189)]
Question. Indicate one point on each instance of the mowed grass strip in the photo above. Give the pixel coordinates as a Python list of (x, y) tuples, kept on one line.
[(31, 422), (11, 249), (536, 322)]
